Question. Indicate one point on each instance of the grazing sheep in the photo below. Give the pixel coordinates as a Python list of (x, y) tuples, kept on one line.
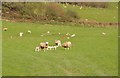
[(29, 31), (65, 6), (7, 20), (67, 45), (43, 45), (58, 42), (73, 35), (7, 12), (48, 32), (68, 34), (81, 7), (68, 37), (59, 33), (37, 49), (21, 34), (86, 19), (103, 33), (73, 5), (5, 29)]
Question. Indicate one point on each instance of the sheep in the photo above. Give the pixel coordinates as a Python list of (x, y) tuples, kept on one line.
[(29, 31), (58, 42), (73, 5), (43, 45), (37, 49), (48, 32), (59, 33), (67, 45), (73, 35), (52, 47), (7, 20), (65, 6), (5, 29), (103, 33), (81, 7), (68, 37), (86, 19), (68, 34), (7, 12), (21, 34)]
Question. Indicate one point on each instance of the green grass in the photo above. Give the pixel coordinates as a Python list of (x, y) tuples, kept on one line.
[(109, 14), (0, 48), (92, 54)]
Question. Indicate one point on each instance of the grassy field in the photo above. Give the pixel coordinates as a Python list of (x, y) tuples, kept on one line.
[(109, 14), (0, 48), (92, 53)]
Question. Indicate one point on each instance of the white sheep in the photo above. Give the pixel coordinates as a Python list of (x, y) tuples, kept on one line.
[(7, 12), (59, 33), (44, 45), (68, 37), (58, 42), (81, 7), (29, 31), (68, 34), (103, 33), (48, 32), (73, 35), (7, 20), (86, 19), (67, 45), (65, 6), (5, 29), (73, 5), (21, 34)]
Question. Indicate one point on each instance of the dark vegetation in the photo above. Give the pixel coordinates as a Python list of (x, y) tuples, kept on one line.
[(38, 12), (48, 12)]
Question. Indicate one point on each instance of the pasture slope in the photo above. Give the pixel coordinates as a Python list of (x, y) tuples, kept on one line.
[(0, 48), (109, 14), (92, 53)]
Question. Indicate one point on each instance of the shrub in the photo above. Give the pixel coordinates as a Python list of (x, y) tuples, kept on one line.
[(53, 11), (72, 14)]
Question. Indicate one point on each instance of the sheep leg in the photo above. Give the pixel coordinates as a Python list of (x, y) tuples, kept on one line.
[(44, 50), (38, 49), (68, 48), (65, 48)]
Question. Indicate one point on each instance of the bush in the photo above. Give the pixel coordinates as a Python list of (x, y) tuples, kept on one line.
[(72, 14), (52, 12)]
